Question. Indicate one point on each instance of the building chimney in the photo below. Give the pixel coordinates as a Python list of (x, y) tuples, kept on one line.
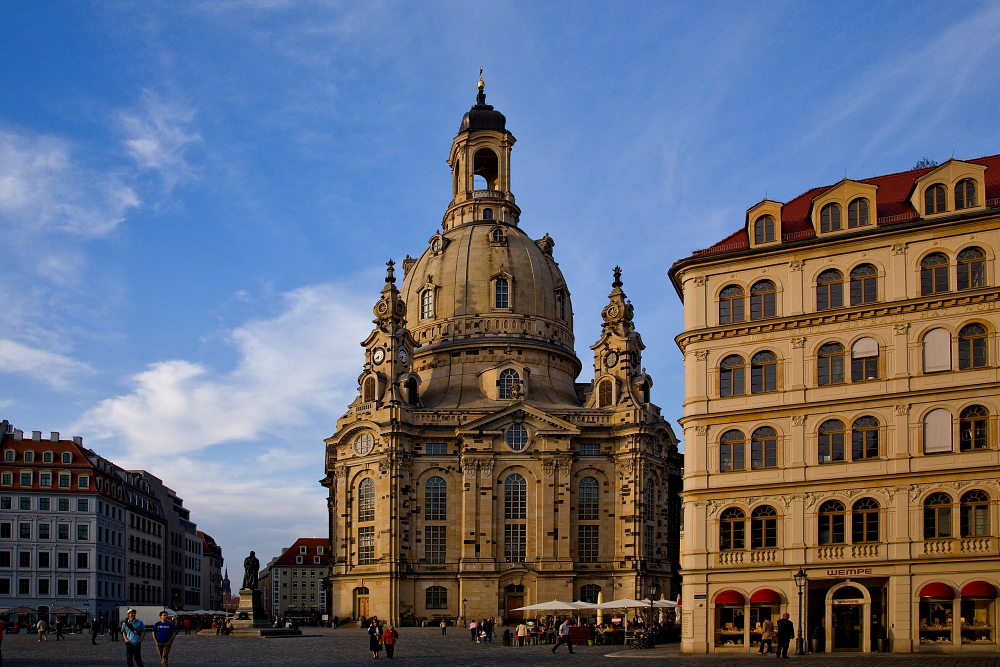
[(54, 436), (36, 436), (78, 440), (18, 434)]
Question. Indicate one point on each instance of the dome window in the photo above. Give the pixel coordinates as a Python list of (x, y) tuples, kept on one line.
[(508, 378), (427, 304), (502, 293), (498, 236), (487, 214)]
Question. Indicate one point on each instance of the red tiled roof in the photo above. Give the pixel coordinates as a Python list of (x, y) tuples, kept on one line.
[(310, 544), (893, 207)]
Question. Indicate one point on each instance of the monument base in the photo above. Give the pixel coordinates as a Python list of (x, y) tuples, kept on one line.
[(250, 614)]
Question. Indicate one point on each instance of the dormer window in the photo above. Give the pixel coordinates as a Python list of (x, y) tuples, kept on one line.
[(427, 304), (502, 293), (829, 218), (47, 457), (763, 229), (9, 455), (29, 457), (508, 377), (857, 213), (67, 457), (497, 235), (965, 194), (935, 199)]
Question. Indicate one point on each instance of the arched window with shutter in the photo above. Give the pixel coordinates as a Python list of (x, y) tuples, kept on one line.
[(368, 393), (864, 360), (937, 351), (937, 431), (605, 393)]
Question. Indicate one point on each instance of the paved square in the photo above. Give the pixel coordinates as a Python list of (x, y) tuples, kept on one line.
[(417, 646)]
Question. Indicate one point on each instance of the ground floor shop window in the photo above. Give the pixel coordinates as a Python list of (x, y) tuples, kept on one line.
[(977, 621), (730, 619), (758, 615), (936, 620)]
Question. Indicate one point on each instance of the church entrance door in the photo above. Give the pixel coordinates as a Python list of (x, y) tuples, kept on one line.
[(515, 599), (361, 603)]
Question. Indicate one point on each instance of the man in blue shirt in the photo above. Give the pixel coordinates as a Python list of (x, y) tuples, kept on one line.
[(163, 636), (132, 631)]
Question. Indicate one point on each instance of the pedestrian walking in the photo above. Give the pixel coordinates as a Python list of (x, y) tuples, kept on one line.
[(164, 632), (187, 626), (389, 638), (766, 633), (785, 633), (563, 637), (374, 638), (133, 630), (444, 627), (41, 628), (474, 630), (59, 629), (336, 622), (490, 625), (113, 630), (95, 626)]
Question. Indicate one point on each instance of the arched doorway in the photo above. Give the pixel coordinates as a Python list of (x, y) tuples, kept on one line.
[(848, 618), (514, 597), (361, 609)]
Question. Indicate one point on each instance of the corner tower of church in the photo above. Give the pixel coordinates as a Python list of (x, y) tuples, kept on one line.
[(472, 474)]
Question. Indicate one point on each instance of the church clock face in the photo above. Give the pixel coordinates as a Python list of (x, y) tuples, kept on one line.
[(611, 359), (403, 357), (364, 444), (378, 356)]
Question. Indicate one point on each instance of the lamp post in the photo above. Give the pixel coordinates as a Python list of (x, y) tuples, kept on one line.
[(651, 591), (465, 601), (801, 580)]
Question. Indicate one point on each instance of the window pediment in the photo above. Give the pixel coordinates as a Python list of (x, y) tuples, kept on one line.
[(846, 206), (949, 175)]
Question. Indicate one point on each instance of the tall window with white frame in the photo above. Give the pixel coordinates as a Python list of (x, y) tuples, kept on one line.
[(435, 509), (366, 514), (427, 304), (588, 504), (515, 501)]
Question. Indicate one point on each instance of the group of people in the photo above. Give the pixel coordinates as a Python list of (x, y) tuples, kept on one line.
[(783, 631), (480, 631), (379, 637)]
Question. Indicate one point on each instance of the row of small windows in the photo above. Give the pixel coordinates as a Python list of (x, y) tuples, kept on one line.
[(862, 286), (832, 361), (835, 441), (30, 456), (45, 479), (831, 216), (44, 504), (832, 521)]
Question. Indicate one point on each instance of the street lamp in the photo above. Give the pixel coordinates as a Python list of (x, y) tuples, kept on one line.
[(651, 591), (801, 580), (465, 601)]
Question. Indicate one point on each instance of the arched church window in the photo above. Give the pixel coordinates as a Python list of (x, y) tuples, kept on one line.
[(487, 214), (588, 499), (589, 593), (508, 377), (366, 500), (604, 393), (411, 391), (502, 293), (515, 497), (368, 393), (436, 499)]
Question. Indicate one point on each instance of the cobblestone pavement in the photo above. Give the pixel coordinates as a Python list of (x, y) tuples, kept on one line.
[(417, 646)]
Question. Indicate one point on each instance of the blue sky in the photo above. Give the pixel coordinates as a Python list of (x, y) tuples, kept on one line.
[(197, 198)]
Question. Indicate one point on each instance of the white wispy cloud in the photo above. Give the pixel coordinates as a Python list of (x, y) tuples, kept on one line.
[(290, 367), (50, 367), (42, 188), (158, 137)]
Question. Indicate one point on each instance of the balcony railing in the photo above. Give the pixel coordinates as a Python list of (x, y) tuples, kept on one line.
[(830, 553)]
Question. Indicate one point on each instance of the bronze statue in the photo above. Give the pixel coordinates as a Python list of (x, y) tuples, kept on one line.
[(251, 570)]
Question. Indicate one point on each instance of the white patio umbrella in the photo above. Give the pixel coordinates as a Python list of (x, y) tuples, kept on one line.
[(551, 605)]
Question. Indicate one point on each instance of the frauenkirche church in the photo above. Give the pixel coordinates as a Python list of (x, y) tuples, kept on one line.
[(472, 474)]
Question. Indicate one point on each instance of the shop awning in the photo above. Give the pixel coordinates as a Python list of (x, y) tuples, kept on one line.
[(979, 589), (765, 595), (937, 590), (729, 597)]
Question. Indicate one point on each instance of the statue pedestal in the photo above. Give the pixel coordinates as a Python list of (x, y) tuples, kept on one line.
[(250, 613)]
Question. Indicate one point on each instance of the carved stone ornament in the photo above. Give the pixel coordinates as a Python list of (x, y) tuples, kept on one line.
[(340, 474), (811, 499), (548, 467), (916, 490), (902, 410), (469, 466), (798, 420), (403, 462), (701, 355), (486, 467), (701, 430), (898, 248), (798, 341), (700, 281), (383, 466), (786, 501), (901, 329), (796, 265), (624, 467)]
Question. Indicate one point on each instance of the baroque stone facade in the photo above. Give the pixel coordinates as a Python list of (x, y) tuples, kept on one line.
[(841, 402), (472, 474)]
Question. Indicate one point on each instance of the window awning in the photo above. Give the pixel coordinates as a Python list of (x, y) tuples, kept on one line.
[(766, 595), (937, 590), (730, 597), (979, 589)]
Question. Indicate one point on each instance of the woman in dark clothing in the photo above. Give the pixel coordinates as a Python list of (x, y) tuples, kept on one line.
[(374, 638)]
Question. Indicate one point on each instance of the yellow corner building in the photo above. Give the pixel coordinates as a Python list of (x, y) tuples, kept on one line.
[(840, 417)]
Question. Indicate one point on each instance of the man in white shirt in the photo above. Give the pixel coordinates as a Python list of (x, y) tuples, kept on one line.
[(563, 637)]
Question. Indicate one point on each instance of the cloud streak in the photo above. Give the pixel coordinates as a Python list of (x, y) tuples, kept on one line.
[(54, 369), (158, 137)]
